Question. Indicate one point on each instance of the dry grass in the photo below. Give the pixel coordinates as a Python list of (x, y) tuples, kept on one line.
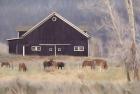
[(71, 80), (72, 70)]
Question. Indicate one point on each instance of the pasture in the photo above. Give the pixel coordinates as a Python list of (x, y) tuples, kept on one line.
[(72, 71), (73, 79)]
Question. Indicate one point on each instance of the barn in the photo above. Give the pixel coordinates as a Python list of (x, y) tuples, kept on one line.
[(52, 36)]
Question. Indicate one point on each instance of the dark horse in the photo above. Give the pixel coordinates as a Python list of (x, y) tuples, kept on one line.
[(22, 67), (60, 65), (48, 63), (89, 63), (7, 64), (101, 62), (51, 63)]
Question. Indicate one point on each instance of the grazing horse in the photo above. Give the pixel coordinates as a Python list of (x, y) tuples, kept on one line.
[(52, 63), (7, 64), (101, 62), (89, 63), (22, 67), (60, 65), (48, 63)]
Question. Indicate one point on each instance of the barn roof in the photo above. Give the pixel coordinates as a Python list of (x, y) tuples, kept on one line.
[(47, 18), (23, 28)]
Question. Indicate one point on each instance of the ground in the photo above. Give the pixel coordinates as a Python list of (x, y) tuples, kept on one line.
[(73, 79)]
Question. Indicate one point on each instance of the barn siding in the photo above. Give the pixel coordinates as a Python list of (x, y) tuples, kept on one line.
[(15, 46), (54, 32)]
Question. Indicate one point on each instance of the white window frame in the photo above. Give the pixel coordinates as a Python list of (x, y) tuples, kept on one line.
[(35, 48), (50, 49), (78, 48), (59, 49)]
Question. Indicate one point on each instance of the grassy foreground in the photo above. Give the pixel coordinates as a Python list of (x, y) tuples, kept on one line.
[(71, 80)]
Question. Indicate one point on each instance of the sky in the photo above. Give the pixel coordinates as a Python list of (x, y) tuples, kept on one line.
[(82, 13)]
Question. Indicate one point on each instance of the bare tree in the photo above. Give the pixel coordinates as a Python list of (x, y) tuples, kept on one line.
[(119, 28), (115, 20), (130, 61), (133, 50)]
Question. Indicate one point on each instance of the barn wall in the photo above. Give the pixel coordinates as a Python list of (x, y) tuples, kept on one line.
[(21, 33), (56, 32), (15, 46), (52, 32)]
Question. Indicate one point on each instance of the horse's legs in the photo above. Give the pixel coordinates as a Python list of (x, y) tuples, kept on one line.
[(83, 65), (25, 70), (101, 68), (1, 65), (9, 65), (12, 66), (94, 66), (91, 67)]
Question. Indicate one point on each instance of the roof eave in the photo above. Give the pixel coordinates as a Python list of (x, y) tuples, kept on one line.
[(13, 39)]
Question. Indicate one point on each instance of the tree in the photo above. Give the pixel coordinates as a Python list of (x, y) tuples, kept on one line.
[(131, 60), (133, 50)]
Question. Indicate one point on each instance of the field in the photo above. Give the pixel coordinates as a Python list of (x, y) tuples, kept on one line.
[(73, 79)]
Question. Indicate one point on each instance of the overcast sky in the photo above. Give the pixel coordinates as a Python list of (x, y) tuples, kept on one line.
[(15, 13)]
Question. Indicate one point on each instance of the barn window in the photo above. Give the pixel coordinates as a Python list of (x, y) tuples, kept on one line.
[(50, 49), (36, 48), (54, 19), (59, 49), (78, 48)]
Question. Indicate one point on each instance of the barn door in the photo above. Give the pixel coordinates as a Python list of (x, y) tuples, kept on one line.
[(59, 50), (62, 50)]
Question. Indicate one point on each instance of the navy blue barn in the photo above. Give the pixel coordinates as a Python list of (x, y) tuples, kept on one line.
[(54, 35)]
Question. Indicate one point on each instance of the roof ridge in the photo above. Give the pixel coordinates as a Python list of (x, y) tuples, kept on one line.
[(47, 18)]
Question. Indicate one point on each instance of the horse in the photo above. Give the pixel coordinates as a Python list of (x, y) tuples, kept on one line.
[(60, 65), (89, 63), (22, 67), (101, 62), (48, 63), (7, 64), (52, 63)]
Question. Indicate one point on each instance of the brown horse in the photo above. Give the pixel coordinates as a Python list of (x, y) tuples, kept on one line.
[(101, 62), (22, 67), (49, 63), (52, 63), (88, 63), (7, 64)]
